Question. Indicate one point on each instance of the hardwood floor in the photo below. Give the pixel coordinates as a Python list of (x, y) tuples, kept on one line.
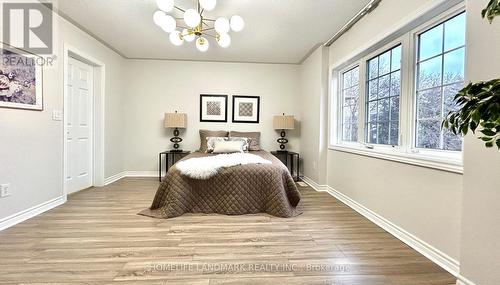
[(98, 238)]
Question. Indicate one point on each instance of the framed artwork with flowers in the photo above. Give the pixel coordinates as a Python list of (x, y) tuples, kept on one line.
[(20, 79)]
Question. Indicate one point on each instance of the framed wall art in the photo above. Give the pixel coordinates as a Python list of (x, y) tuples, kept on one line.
[(20, 80), (246, 109), (213, 108)]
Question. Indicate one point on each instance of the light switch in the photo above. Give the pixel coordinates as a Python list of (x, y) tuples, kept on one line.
[(57, 115), (4, 190)]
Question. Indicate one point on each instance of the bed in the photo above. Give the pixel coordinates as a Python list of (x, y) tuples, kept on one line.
[(237, 190)]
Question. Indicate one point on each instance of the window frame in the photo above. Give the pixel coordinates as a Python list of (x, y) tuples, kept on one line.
[(436, 21), (406, 151), (379, 52), (340, 104)]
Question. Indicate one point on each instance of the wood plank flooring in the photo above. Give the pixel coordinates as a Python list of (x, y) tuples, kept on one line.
[(98, 238)]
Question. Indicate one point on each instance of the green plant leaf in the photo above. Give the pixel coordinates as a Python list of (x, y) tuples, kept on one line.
[(498, 143), (473, 127), (488, 125), (464, 129), (476, 116), (489, 144), (488, 132)]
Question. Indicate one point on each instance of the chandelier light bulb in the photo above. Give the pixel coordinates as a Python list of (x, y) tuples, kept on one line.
[(208, 5), (188, 35), (192, 18), (165, 5), (158, 17), (168, 24), (224, 40), (176, 38), (237, 23), (221, 25), (202, 44)]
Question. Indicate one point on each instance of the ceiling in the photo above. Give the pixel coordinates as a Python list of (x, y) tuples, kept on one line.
[(276, 31)]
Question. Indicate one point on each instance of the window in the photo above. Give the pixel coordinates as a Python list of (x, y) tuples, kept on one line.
[(407, 86), (350, 104), (382, 98), (440, 74)]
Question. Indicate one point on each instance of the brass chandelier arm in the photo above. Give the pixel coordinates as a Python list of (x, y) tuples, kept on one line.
[(210, 35), (180, 9), (209, 29)]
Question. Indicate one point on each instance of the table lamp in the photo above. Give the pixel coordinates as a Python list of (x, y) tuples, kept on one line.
[(283, 123), (176, 121)]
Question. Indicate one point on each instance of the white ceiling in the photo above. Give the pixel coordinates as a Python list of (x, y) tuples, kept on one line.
[(276, 31)]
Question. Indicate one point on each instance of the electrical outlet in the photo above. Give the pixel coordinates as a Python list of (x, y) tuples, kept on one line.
[(4, 190)]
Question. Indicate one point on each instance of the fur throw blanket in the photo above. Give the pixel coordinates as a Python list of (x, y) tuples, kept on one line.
[(206, 167)]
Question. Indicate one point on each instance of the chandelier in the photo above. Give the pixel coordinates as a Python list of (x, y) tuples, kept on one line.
[(197, 27)]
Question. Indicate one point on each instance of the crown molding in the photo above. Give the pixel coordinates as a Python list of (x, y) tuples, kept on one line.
[(85, 30)]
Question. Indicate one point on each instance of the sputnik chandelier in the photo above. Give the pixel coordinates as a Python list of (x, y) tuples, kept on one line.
[(198, 27)]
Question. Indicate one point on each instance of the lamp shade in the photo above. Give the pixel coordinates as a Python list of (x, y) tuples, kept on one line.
[(284, 122), (175, 120)]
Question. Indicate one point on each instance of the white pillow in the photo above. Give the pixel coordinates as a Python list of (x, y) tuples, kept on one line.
[(228, 146), (211, 142)]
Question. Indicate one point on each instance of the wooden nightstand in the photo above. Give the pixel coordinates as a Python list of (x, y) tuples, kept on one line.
[(291, 160), (171, 158)]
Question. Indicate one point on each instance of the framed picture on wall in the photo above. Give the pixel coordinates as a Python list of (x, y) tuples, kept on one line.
[(246, 109), (20, 79), (213, 108)]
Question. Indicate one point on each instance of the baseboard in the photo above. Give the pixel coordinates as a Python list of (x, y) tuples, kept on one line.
[(461, 280), (124, 174), (314, 185), (141, 173), (31, 212), (443, 260), (114, 178)]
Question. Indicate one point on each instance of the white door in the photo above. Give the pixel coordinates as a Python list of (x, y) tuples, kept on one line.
[(79, 123)]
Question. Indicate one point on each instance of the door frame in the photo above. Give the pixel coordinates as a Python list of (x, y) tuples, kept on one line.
[(98, 112)]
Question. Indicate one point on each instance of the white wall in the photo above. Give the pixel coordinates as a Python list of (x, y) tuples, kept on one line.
[(155, 87), (480, 241), (314, 109), (424, 202), (31, 146)]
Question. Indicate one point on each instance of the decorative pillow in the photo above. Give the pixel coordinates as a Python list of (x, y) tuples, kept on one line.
[(206, 133), (245, 142), (211, 141), (253, 136), (228, 146)]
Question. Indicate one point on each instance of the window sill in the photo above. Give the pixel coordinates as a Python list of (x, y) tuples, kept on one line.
[(449, 164)]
